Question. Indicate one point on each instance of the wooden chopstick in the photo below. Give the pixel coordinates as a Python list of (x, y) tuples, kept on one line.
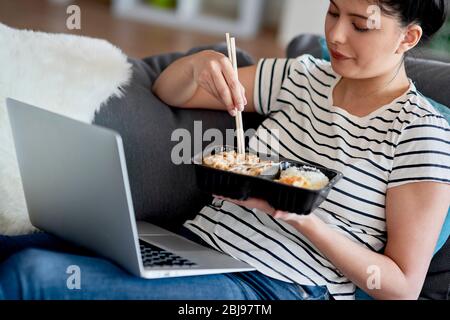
[(230, 54), (231, 45)]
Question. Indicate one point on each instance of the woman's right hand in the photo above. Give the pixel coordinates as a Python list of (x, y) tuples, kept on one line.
[(214, 72)]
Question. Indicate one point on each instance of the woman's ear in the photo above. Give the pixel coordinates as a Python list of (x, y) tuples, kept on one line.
[(410, 38)]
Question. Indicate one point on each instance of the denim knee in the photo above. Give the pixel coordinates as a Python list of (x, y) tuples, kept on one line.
[(21, 274), (4, 249)]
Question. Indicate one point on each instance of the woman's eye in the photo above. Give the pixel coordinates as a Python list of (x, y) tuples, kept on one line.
[(360, 29), (333, 14)]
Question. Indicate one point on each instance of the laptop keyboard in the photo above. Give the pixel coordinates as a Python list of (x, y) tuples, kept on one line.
[(155, 257)]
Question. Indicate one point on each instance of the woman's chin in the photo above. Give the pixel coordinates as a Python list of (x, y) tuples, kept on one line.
[(344, 68)]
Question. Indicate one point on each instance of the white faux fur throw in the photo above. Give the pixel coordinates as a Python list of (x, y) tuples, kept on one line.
[(66, 74)]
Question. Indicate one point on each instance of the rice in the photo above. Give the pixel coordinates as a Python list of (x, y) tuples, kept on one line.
[(310, 178)]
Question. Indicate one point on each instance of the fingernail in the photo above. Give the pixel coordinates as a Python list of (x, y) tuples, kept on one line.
[(241, 107), (233, 113)]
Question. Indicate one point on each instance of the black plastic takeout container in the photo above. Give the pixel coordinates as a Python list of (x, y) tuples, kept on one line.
[(280, 196)]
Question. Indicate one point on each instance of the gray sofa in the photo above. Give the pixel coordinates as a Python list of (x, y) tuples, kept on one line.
[(166, 194)]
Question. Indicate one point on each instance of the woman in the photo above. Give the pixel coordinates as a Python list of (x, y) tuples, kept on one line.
[(360, 115)]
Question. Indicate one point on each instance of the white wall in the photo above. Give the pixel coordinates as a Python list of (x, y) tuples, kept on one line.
[(302, 16), (272, 12)]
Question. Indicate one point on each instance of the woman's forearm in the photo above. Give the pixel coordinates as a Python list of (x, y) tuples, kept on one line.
[(362, 266), (176, 85)]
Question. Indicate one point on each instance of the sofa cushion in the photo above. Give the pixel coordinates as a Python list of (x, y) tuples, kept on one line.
[(437, 282), (163, 193)]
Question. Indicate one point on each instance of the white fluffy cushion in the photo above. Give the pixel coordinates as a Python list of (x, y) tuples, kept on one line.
[(66, 74)]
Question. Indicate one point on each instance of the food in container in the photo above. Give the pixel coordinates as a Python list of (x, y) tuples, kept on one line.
[(247, 164), (286, 184), (306, 177)]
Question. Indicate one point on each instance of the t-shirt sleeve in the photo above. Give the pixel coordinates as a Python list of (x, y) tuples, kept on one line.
[(270, 75), (422, 153)]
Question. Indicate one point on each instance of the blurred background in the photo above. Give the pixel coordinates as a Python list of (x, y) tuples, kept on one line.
[(146, 27)]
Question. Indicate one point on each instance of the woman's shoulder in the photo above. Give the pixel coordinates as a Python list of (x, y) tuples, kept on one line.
[(312, 61), (302, 63), (422, 124), (313, 64), (313, 71), (421, 109)]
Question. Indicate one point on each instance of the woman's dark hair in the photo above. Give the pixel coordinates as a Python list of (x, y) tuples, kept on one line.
[(429, 14)]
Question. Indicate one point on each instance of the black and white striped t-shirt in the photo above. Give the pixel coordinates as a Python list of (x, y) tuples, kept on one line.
[(403, 142)]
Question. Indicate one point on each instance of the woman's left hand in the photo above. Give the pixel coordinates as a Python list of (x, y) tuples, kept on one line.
[(253, 203)]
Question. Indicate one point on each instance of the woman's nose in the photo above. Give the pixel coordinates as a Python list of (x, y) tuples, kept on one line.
[(338, 33)]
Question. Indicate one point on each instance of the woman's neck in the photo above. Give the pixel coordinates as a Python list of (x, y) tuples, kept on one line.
[(377, 91)]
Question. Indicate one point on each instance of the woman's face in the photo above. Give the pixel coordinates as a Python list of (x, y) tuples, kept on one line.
[(363, 42)]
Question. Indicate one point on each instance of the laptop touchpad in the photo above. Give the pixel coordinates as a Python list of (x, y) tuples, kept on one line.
[(174, 243)]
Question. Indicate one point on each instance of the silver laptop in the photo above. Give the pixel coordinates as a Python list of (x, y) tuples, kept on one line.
[(76, 187)]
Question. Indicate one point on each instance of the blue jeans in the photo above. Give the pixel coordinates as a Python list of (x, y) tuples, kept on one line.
[(36, 267)]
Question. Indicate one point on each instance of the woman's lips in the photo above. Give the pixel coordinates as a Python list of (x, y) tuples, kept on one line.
[(338, 56)]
